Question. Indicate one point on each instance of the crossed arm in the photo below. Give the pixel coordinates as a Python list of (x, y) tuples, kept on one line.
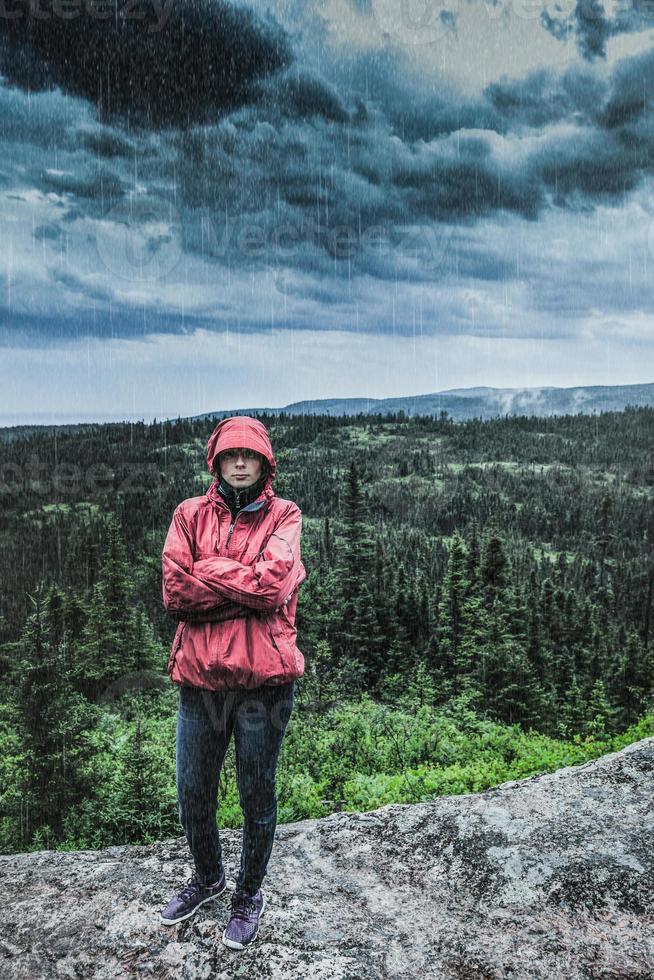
[(217, 588)]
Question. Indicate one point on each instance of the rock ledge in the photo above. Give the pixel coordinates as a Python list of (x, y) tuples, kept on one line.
[(550, 876)]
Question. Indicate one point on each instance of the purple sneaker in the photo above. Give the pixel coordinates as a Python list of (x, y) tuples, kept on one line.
[(243, 924), (191, 897)]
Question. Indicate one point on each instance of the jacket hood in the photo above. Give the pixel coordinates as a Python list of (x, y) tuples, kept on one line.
[(242, 431)]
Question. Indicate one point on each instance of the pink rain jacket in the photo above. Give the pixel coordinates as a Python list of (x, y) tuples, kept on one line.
[(233, 584)]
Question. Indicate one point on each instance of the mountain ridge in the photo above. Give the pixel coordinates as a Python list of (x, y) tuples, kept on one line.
[(477, 402), (460, 404)]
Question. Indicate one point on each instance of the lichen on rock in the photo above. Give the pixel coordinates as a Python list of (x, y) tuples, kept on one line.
[(550, 876)]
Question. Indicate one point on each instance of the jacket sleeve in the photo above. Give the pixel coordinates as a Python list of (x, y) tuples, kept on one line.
[(184, 595), (270, 581), (227, 610)]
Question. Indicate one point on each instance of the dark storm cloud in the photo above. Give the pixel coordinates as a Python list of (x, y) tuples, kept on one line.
[(540, 98), (47, 233), (265, 189), (164, 64), (592, 27), (446, 186), (632, 92), (543, 97), (96, 185), (302, 94), (588, 168), (316, 178), (32, 330), (304, 157), (106, 143), (39, 122), (436, 116)]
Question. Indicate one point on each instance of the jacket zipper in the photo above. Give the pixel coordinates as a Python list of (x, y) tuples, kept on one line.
[(229, 534)]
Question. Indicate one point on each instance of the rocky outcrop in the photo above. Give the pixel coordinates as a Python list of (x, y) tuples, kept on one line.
[(551, 876)]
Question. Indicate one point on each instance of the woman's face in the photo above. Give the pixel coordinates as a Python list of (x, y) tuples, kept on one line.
[(240, 467)]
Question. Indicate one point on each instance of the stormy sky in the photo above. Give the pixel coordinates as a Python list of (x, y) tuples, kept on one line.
[(210, 205)]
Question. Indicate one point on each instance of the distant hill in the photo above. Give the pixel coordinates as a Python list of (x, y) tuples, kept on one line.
[(468, 403), (459, 403)]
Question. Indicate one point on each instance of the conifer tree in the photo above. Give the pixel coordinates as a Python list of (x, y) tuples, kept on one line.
[(116, 641), (493, 568), (327, 545), (630, 679), (573, 711), (372, 648), (355, 570), (600, 715), (55, 719), (453, 655), (141, 813), (473, 558), (148, 653)]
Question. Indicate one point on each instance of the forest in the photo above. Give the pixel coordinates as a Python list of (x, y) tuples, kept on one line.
[(477, 608)]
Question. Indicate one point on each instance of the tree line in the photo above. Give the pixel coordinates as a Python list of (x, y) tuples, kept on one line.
[(506, 565)]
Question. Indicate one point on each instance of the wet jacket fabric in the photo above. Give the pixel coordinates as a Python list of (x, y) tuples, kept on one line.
[(233, 580)]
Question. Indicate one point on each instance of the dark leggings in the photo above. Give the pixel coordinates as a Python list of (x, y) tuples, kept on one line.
[(205, 721)]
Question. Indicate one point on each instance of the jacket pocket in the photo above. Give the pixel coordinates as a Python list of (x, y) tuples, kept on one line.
[(286, 636), (278, 641), (177, 642)]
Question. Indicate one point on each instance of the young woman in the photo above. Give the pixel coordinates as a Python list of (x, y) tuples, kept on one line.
[(231, 569)]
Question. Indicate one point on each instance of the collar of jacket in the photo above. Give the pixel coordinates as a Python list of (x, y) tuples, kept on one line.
[(214, 494)]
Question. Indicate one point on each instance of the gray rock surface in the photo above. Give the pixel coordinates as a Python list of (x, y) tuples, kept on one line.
[(550, 876)]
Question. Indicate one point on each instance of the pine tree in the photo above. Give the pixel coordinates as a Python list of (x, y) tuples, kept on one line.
[(99, 663), (454, 656), (140, 810), (372, 648), (327, 545), (354, 571), (476, 651), (493, 568), (600, 716), (118, 591), (573, 712), (630, 679), (148, 653), (55, 720), (320, 685), (115, 642), (473, 559)]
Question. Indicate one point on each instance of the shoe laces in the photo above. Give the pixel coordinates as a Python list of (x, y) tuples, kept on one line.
[(192, 887), (243, 906)]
